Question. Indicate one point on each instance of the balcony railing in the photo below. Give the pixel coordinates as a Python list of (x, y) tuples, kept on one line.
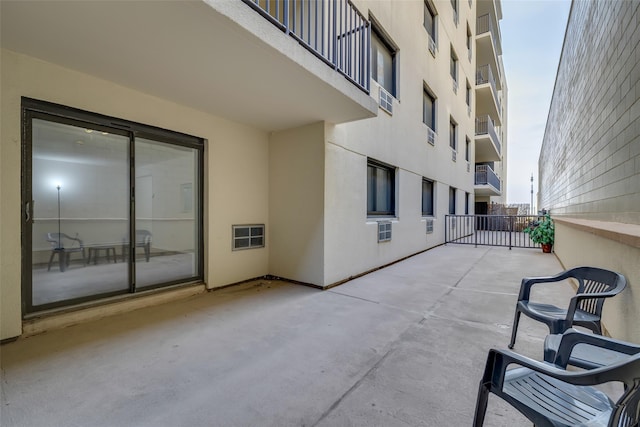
[(333, 30), (485, 24), (484, 75), (485, 126), (486, 176)]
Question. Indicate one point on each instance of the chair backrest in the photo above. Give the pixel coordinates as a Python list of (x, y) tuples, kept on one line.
[(62, 240), (143, 237), (593, 280), (627, 408)]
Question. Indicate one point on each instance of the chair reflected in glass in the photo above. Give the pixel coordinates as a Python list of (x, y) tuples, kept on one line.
[(64, 246), (143, 240)]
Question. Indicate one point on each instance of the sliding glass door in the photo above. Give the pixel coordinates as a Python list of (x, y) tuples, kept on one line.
[(111, 207)]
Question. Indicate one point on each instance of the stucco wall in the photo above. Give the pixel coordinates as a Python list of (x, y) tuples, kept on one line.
[(574, 248), (296, 204), (236, 175), (590, 158)]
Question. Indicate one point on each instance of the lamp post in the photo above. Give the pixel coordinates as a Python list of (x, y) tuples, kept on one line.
[(531, 193), (58, 188)]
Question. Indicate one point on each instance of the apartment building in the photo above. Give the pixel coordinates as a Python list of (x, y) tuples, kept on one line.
[(153, 150), (589, 163)]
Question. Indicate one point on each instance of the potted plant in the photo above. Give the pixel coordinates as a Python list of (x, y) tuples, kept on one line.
[(542, 232)]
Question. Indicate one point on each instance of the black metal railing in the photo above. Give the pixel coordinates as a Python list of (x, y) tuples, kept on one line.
[(333, 30), (486, 176), (490, 230)]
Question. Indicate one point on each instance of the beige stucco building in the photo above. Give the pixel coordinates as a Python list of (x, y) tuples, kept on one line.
[(590, 159), (152, 150)]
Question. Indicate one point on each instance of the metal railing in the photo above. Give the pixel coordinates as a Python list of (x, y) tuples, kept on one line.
[(333, 30), (484, 75), (485, 24), (486, 176), (490, 230), (485, 126)]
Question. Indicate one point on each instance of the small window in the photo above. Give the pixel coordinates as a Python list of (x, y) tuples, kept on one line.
[(380, 189), (430, 20), (427, 197), (383, 62), (467, 149), (467, 97), (248, 236), (469, 41), (453, 68), (429, 109), (452, 201), (454, 5), (466, 203), (453, 131)]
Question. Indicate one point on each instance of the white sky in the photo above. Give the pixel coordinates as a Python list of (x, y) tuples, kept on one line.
[(532, 35)]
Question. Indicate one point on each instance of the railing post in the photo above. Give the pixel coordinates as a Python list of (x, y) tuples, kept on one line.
[(285, 19), (510, 231), (446, 218)]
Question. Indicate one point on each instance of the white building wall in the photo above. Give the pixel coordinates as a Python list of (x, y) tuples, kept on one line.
[(236, 175)]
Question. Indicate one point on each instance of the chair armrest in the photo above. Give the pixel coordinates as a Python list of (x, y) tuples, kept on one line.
[(528, 282), (572, 337), (499, 360)]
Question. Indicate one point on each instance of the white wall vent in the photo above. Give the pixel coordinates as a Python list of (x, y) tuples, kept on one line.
[(386, 100), (432, 46), (429, 226), (431, 136), (247, 236), (384, 231)]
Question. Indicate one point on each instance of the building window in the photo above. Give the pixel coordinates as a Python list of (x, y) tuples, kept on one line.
[(248, 236), (467, 149), (467, 97), (383, 61), (107, 191), (452, 201), (469, 41), (466, 203), (453, 131), (429, 110), (427, 197), (454, 5), (430, 21), (380, 189), (453, 66)]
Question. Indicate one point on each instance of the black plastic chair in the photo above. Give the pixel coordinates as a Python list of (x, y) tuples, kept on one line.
[(143, 240), (585, 308), (550, 396), (63, 246)]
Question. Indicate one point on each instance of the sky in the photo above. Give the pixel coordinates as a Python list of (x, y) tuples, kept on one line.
[(532, 35)]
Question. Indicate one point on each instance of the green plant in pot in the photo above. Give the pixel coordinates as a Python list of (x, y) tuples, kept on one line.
[(542, 233)]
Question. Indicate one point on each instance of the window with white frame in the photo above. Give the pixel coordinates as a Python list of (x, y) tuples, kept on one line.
[(467, 97), (454, 5), (380, 189), (427, 197), (452, 201), (467, 149), (469, 41), (466, 203), (453, 65), (383, 61), (430, 25), (429, 109)]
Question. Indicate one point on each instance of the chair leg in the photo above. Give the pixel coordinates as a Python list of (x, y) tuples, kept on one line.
[(147, 251), (481, 405), (514, 329), (51, 260)]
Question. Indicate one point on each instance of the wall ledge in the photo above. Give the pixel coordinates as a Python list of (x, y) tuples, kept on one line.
[(627, 234)]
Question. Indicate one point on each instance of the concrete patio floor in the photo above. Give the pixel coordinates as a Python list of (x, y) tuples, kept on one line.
[(403, 346)]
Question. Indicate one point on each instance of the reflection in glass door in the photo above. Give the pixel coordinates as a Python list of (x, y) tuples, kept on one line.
[(166, 212), (79, 188)]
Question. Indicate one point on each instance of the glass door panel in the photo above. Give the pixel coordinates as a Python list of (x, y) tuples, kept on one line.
[(166, 208), (80, 193)]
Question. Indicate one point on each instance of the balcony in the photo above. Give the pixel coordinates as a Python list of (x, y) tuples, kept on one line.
[(488, 147), (487, 97), (488, 31), (224, 58), (487, 182)]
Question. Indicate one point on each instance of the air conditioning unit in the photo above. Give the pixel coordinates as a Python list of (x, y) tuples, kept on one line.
[(384, 231), (454, 154), (429, 226), (431, 136), (432, 46), (386, 101), (468, 167), (455, 86)]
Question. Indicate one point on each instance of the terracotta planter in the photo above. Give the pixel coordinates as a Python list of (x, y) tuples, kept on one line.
[(546, 248)]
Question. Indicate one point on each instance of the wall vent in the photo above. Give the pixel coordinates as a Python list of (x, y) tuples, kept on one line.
[(384, 231), (431, 136), (429, 226), (247, 237), (386, 101)]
